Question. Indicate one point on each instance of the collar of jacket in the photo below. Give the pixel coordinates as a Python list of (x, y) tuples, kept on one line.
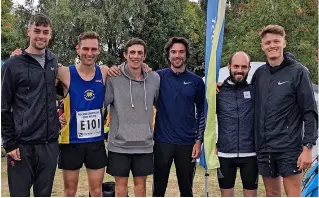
[(289, 59), (178, 73), (48, 54)]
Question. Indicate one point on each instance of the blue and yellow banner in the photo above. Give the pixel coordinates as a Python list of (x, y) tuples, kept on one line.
[(214, 41)]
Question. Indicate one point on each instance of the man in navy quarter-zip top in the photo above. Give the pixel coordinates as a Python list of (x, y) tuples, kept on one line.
[(178, 129)]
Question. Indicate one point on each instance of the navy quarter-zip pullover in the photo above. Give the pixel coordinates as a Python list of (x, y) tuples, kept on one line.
[(176, 121)]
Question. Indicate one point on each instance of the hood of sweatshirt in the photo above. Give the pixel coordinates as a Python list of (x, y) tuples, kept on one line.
[(127, 73)]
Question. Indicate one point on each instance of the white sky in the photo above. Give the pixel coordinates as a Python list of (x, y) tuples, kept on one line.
[(21, 2)]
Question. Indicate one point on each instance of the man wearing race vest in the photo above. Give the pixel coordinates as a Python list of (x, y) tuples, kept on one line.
[(82, 138)]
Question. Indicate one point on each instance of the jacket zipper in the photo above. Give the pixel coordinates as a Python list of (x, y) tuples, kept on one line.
[(46, 92), (46, 98), (266, 107), (237, 123)]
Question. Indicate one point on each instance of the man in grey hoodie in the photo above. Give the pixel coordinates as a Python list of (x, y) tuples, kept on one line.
[(131, 96)]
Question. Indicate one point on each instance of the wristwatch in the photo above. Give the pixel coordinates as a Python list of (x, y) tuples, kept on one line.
[(308, 145)]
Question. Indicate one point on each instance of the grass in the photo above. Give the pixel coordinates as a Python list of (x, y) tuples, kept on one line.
[(172, 188)]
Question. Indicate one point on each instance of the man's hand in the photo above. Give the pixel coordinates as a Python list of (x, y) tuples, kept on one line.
[(62, 120), (219, 84), (146, 68), (15, 154), (305, 159), (196, 149), (114, 71), (16, 52)]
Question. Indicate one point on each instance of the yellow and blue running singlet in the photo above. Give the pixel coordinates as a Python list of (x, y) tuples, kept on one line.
[(83, 109)]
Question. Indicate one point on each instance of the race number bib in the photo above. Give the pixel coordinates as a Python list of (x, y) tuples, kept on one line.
[(247, 94), (89, 123)]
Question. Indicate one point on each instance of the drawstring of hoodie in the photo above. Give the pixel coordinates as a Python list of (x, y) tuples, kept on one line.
[(145, 95), (131, 94), (132, 104)]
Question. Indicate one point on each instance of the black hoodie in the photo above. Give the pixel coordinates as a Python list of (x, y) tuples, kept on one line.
[(28, 95), (284, 99)]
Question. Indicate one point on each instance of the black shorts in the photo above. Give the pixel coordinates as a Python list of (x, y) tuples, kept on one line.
[(278, 164), (92, 154), (228, 170), (120, 164)]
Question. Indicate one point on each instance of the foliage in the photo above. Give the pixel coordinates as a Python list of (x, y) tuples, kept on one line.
[(155, 21), (299, 18), (9, 35)]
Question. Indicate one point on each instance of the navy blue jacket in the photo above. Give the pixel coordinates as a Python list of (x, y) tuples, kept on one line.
[(28, 95), (284, 100), (176, 122), (235, 113)]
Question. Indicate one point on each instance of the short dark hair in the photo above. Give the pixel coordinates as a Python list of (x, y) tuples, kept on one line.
[(88, 35), (40, 19), (231, 57), (134, 41), (171, 42), (273, 29)]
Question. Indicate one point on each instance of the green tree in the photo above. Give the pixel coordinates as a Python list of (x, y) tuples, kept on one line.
[(245, 19), (299, 18), (9, 36), (193, 24)]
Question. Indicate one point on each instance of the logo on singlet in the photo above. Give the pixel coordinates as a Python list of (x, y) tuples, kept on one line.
[(89, 95)]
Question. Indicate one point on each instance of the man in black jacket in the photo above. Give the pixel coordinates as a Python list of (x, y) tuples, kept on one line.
[(235, 145), (30, 126), (284, 100)]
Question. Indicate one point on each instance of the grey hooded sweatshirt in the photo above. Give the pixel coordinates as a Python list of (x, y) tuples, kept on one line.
[(131, 111)]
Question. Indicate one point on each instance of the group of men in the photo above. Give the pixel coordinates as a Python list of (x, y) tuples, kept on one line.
[(30, 125), (262, 119)]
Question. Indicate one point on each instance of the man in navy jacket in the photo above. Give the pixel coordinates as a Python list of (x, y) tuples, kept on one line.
[(29, 120), (235, 145), (284, 103)]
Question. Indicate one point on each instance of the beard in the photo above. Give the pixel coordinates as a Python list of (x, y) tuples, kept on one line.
[(238, 82), (180, 65)]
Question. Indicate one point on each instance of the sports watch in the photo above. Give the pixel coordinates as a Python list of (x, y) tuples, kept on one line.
[(308, 145)]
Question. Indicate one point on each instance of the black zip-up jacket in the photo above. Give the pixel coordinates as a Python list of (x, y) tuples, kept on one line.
[(235, 114), (28, 101), (284, 100)]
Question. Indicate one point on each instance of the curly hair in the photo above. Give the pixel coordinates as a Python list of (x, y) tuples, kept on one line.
[(171, 42)]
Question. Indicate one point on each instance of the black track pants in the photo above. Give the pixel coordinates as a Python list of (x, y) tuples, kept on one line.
[(164, 154), (36, 167)]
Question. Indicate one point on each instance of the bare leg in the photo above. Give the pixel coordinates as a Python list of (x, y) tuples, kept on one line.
[(227, 192), (70, 178), (272, 186), (95, 179), (292, 185), (140, 186), (121, 186), (250, 193)]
